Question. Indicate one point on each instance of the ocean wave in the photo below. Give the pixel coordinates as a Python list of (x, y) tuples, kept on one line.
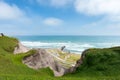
[(74, 47)]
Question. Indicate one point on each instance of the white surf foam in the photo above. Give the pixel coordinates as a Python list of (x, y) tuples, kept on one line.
[(76, 47)]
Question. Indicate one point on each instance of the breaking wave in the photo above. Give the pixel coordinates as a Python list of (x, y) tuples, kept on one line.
[(73, 47)]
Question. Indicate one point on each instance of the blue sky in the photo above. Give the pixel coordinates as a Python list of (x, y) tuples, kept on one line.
[(60, 17)]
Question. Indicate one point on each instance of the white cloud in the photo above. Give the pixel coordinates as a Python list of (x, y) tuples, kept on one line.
[(98, 7), (52, 22), (9, 11)]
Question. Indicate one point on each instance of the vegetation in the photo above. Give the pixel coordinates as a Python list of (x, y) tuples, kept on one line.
[(67, 59), (11, 67), (99, 64)]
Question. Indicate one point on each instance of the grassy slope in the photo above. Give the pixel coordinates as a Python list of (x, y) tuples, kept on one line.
[(98, 65), (11, 66)]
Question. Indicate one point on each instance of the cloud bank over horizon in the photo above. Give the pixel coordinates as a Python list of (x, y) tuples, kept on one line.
[(60, 17)]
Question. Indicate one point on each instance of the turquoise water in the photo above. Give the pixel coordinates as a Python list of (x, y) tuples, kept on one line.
[(75, 44)]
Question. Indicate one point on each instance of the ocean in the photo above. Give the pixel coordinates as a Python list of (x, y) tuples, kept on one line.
[(74, 44)]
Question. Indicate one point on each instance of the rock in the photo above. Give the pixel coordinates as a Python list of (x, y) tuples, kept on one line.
[(78, 63), (20, 49), (42, 59), (62, 48), (1, 34)]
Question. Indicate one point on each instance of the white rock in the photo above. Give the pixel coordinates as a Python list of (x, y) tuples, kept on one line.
[(20, 49)]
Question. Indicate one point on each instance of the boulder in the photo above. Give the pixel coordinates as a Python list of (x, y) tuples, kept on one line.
[(1, 34), (42, 59), (62, 48), (20, 49)]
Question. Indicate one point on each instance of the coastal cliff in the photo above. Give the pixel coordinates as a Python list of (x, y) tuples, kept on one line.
[(18, 60), (99, 62), (42, 59), (52, 58), (55, 59)]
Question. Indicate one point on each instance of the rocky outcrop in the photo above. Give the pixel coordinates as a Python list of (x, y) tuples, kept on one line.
[(62, 48), (1, 34), (20, 49), (42, 59), (57, 60), (78, 63)]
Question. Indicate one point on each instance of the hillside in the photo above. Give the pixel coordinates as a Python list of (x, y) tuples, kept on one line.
[(11, 65), (94, 64), (99, 64)]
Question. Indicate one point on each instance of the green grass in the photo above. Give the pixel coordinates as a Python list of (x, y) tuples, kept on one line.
[(11, 65), (8, 44), (99, 64)]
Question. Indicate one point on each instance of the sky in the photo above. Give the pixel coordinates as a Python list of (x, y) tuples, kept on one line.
[(60, 17)]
